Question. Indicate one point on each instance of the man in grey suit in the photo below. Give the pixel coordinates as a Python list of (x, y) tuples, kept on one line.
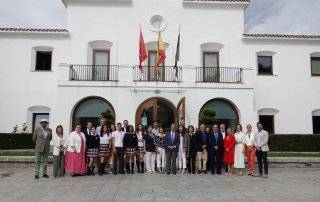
[(42, 137), (261, 144)]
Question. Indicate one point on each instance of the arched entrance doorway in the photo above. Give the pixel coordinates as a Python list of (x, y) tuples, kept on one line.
[(92, 109), (219, 111), (157, 109)]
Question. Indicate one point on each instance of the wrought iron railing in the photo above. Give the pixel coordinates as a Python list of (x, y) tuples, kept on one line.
[(219, 74), (159, 74), (93, 72)]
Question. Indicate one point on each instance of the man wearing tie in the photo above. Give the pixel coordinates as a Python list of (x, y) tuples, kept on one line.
[(172, 142), (87, 133), (215, 149)]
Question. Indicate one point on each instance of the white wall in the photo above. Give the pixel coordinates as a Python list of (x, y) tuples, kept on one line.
[(292, 91)]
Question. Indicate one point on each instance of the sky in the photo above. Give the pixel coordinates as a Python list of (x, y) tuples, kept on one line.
[(262, 16)]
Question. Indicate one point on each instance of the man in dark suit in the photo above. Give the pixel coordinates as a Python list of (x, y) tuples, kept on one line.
[(87, 133), (201, 145), (215, 150), (125, 127), (172, 142), (42, 137)]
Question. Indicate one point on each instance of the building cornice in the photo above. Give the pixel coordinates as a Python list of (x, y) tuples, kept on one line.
[(33, 30), (281, 36)]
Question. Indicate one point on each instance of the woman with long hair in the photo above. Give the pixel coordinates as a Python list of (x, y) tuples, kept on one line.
[(93, 144), (228, 145), (161, 151), (130, 143), (182, 159), (105, 137), (191, 150), (111, 149), (140, 151), (59, 141), (239, 150)]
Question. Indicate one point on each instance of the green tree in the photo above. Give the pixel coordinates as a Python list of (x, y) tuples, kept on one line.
[(107, 114), (207, 116)]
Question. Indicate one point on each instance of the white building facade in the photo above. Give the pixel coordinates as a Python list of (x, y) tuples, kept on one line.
[(72, 75)]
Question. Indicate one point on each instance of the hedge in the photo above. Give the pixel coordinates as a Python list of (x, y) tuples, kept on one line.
[(299, 143), (16, 141), (295, 142)]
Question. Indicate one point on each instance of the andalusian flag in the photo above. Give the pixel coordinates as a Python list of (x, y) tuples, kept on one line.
[(161, 53), (177, 57)]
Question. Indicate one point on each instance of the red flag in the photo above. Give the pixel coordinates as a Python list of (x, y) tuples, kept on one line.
[(143, 55)]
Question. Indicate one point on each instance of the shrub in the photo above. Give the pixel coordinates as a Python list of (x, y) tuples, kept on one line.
[(16, 141), (301, 143)]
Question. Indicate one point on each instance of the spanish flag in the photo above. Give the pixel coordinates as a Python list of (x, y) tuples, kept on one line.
[(161, 53)]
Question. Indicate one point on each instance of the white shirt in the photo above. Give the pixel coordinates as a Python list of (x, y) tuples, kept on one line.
[(248, 139), (118, 138), (223, 134), (105, 139), (140, 139), (155, 131)]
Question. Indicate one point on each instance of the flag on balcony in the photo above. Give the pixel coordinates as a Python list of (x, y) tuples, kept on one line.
[(143, 55), (161, 53), (177, 57)]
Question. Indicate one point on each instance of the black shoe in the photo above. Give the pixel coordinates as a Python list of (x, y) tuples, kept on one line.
[(219, 173), (36, 177), (168, 173), (45, 176), (212, 173), (115, 173), (193, 172), (204, 172), (174, 173)]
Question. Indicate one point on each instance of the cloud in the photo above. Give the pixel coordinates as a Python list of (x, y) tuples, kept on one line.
[(32, 13), (283, 16), (262, 16)]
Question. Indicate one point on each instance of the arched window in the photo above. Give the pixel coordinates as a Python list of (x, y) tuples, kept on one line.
[(219, 111), (92, 109)]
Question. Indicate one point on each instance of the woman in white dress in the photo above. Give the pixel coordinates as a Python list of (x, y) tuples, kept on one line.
[(239, 150)]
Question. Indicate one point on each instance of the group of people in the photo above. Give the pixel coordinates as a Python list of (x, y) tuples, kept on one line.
[(119, 148)]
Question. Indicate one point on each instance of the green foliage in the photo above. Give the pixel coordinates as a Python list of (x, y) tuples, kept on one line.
[(16, 141), (297, 143), (207, 116), (108, 116)]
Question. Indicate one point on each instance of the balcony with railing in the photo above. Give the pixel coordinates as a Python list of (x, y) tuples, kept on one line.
[(93, 72), (219, 75), (159, 74), (166, 76)]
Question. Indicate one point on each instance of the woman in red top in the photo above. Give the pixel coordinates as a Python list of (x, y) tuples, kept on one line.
[(229, 144)]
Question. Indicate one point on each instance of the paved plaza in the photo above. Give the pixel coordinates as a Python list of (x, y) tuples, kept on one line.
[(283, 184)]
